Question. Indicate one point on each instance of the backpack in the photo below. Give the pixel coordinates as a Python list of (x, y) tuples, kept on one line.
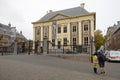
[(102, 58)]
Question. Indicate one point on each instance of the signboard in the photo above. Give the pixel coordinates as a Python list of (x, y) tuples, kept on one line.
[(54, 27)]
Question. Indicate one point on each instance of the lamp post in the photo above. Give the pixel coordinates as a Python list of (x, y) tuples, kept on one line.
[(15, 46), (1, 37), (29, 47), (15, 41), (91, 47), (45, 45)]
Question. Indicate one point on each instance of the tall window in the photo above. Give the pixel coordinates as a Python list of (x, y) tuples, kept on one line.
[(65, 29), (65, 41), (74, 41), (59, 29), (85, 27), (74, 28), (59, 44), (85, 41), (38, 32), (46, 31), (53, 42)]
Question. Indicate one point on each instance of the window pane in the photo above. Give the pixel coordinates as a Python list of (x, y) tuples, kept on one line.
[(74, 41), (65, 41), (86, 27), (53, 42), (59, 44), (38, 32), (65, 30), (85, 41), (59, 29), (74, 28)]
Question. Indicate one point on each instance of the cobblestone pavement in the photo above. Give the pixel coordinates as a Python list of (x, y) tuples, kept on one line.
[(24, 67)]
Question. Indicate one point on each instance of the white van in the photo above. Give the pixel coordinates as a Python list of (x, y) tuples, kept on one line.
[(113, 55)]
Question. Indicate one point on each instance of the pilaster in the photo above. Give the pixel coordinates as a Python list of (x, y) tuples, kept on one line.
[(68, 32), (79, 33)]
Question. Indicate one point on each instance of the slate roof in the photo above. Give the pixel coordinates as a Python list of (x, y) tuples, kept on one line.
[(77, 11), (117, 28), (6, 30), (20, 35)]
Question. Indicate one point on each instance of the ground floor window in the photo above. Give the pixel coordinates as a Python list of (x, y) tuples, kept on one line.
[(85, 41), (65, 41), (59, 44)]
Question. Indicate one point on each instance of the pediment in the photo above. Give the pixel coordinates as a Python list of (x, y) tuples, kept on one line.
[(58, 16)]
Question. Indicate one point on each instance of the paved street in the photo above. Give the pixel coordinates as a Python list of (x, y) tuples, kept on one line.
[(33, 67)]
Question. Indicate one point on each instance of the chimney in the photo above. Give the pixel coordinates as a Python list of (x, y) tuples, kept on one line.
[(9, 25), (118, 22), (20, 32), (82, 5), (49, 11)]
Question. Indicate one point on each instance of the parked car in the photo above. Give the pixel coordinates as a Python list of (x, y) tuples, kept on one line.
[(112, 55)]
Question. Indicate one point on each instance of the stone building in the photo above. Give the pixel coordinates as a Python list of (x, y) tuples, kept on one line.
[(8, 35), (112, 37), (73, 26), (115, 45), (108, 41)]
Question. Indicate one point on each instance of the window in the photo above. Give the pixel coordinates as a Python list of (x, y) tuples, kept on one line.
[(85, 27), (46, 31), (65, 29), (85, 41), (59, 29), (65, 41), (38, 32), (59, 44), (74, 41), (74, 28), (53, 42)]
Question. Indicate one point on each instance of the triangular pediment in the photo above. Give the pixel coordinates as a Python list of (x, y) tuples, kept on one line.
[(59, 16)]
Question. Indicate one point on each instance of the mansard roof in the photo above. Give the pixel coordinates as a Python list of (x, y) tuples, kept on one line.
[(77, 11)]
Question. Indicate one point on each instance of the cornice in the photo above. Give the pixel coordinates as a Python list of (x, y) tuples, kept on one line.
[(93, 13)]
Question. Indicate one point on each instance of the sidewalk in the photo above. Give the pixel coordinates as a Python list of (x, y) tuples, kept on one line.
[(11, 69), (78, 57)]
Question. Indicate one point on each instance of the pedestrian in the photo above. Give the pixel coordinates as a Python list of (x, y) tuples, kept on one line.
[(101, 60), (95, 62)]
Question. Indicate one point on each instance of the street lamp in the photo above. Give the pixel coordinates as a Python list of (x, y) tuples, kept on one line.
[(15, 46), (91, 47), (29, 47)]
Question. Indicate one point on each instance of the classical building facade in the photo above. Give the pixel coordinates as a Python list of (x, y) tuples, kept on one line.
[(74, 26)]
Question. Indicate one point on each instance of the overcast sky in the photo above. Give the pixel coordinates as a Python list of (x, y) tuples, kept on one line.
[(21, 13)]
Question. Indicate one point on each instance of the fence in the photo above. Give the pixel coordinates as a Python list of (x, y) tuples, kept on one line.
[(27, 48)]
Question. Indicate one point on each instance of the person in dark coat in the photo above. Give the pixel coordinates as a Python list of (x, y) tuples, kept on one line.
[(101, 61)]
